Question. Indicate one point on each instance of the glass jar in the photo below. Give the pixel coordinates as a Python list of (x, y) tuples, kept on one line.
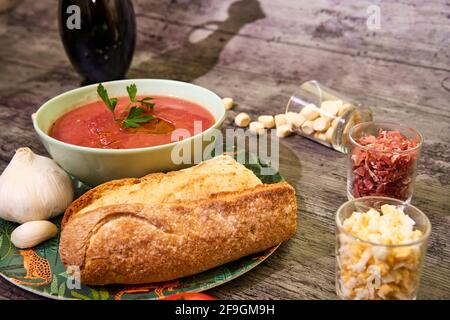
[(377, 166), (369, 270), (324, 115)]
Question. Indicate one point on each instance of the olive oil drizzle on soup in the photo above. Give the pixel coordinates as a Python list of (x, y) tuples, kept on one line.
[(93, 125)]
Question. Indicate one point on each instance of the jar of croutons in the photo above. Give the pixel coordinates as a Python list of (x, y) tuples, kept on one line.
[(324, 115)]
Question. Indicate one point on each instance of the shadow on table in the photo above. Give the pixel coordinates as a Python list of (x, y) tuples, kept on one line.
[(194, 59)]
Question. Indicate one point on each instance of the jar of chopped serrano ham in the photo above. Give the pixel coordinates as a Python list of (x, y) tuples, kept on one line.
[(324, 115), (382, 160)]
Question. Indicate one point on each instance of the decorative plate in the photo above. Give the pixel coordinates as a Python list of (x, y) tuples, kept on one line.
[(40, 270)]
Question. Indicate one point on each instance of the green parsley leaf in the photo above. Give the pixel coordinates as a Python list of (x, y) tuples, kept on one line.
[(135, 112), (103, 93), (132, 91), (135, 117), (144, 102)]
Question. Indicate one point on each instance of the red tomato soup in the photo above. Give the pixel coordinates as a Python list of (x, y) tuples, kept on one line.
[(93, 125)]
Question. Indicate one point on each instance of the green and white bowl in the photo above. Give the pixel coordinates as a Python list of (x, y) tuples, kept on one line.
[(94, 166)]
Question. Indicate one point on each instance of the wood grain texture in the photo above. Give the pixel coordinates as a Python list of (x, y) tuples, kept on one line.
[(258, 52)]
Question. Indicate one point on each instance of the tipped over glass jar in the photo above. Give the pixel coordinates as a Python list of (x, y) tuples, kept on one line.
[(324, 115), (382, 160)]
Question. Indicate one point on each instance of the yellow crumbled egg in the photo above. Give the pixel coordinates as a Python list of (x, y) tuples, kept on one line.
[(374, 270), (392, 226)]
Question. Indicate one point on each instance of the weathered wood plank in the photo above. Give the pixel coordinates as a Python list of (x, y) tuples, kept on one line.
[(330, 25)]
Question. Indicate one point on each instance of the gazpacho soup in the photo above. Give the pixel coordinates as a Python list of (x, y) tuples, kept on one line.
[(129, 122)]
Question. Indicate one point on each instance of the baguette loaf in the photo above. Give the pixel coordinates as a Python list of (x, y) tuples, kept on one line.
[(136, 243), (219, 174)]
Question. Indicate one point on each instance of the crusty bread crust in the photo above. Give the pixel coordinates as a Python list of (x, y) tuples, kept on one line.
[(219, 174), (136, 243)]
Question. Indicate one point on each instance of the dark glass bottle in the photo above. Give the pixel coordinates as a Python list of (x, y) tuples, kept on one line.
[(99, 37)]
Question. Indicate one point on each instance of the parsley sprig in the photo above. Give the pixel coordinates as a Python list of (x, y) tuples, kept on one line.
[(136, 116), (132, 91), (103, 93)]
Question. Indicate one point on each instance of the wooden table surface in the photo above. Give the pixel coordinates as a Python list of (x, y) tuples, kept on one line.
[(258, 52)]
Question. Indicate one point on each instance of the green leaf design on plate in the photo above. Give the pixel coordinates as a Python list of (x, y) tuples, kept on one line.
[(80, 296), (54, 286), (6, 247), (62, 289), (104, 294), (95, 294), (11, 262), (64, 274)]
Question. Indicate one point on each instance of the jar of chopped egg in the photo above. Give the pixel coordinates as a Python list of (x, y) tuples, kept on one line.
[(380, 246), (324, 115)]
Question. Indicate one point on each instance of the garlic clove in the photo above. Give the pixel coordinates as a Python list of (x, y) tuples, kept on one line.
[(32, 233), (33, 187)]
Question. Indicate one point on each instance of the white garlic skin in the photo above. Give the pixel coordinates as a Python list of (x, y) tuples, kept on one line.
[(33, 187), (32, 233)]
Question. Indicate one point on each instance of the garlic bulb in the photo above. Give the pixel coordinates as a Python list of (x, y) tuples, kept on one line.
[(33, 187)]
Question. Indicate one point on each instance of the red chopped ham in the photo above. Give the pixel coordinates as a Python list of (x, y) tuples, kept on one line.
[(382, 167), (360, 171)]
